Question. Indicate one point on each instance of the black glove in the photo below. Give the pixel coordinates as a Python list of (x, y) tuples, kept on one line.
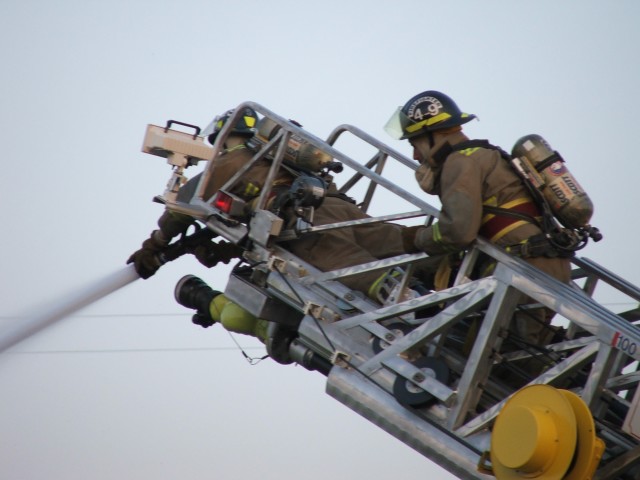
[(205, 321), (212, 253), (147, 260)]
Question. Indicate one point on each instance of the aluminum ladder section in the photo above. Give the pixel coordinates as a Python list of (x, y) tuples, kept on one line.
[(376, 351)]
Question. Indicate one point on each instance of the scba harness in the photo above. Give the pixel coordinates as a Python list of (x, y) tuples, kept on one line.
[(498, 220)]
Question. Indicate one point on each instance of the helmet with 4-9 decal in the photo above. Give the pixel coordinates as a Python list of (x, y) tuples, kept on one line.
[(426, 112)]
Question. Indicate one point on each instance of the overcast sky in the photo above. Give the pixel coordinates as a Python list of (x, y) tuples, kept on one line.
[(128, 388)]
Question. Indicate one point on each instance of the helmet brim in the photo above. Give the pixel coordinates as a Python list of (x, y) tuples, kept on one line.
[(401, 127)]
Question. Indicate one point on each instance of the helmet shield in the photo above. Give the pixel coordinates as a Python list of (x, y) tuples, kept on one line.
[(397, 124), (400, 126)]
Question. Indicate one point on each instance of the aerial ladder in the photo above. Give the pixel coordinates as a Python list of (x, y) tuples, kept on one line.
[(428, 367)]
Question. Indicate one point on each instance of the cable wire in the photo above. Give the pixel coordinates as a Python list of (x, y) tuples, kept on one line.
[(251, 360), (131, 350)]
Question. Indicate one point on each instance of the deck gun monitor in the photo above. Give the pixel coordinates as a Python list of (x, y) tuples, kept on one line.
[(181, 150)]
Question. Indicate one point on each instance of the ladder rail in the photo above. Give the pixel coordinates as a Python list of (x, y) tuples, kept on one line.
[(342, 326)]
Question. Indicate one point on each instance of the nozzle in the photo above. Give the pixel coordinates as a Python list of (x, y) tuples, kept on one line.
[(192, 292)]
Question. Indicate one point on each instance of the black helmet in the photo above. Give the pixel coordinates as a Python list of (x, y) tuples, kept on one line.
[(426, 112), (245, 125)]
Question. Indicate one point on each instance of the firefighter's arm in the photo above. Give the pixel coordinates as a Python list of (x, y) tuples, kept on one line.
[(461, 212), (210, 253), (154, 254), (157, 249), (148, 259)]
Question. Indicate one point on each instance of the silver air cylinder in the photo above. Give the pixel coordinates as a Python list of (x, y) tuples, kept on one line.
[(299, 152), (567, 199)]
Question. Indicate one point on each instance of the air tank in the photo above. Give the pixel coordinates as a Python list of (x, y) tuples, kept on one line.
[(567, 199), (299, 152)]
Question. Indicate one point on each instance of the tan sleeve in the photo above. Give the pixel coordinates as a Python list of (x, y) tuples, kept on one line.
[(461, 213)]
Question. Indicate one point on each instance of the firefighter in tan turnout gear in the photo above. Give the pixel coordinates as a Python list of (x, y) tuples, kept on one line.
[(328, 250), (471, 181), (170, 225)]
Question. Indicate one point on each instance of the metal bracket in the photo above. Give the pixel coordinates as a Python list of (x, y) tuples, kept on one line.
[(340, 359)]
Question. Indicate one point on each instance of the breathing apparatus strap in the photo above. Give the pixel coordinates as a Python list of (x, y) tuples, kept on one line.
[(447, 149), (499, 221), (511, 213), (549, 161), (538, 212)]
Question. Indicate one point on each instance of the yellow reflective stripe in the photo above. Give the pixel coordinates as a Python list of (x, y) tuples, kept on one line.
[(414, 127), (436, 235), (251, 190), (506, 230), (509, 205), (515, 203), (492, 202), (237, 147), (469, 151), (250, 121)]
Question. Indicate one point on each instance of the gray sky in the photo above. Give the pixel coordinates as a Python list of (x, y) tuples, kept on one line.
[(128, 388)]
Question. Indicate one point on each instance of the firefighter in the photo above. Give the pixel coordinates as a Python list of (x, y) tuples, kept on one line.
[(212, 306), (468, 182), (147, 260), (328, 250)]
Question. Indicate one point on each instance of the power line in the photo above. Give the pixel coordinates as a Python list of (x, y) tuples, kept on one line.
[(131, 350), (188, 314), (103, 315)]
